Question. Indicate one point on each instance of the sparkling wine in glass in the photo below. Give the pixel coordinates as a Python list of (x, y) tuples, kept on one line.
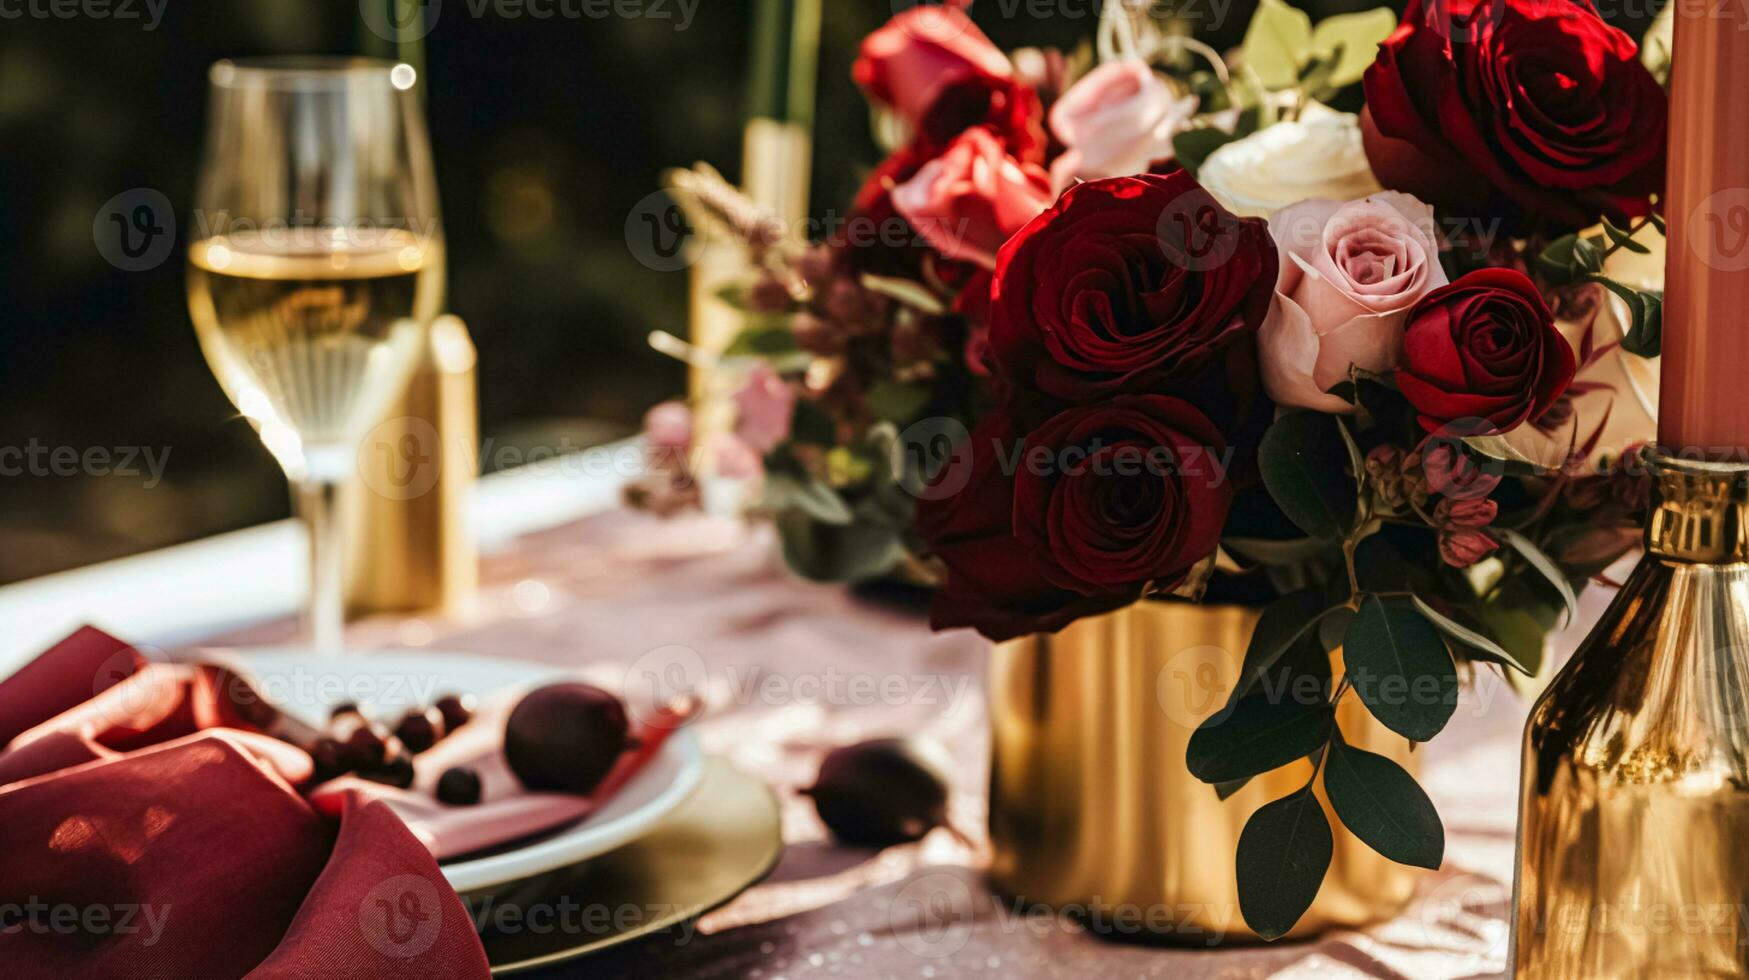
[(315, 271)]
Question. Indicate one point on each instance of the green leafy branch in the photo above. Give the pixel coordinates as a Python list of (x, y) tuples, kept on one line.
[(1577, 258), (1396, 657)]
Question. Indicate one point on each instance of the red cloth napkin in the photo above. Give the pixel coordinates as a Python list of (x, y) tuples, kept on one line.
[(137, 840)]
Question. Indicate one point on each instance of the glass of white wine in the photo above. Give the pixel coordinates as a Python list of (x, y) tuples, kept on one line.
[(315, 269)]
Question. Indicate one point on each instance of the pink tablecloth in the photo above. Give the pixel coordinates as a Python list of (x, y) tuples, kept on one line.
[(793, 669)]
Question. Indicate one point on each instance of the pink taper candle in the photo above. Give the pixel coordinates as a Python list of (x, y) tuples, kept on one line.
[(1704, 401)]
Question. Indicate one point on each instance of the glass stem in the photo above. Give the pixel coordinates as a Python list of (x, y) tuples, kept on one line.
[(325, 616)]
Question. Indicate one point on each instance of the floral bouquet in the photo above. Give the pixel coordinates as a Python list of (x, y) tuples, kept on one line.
[(1329, 325)]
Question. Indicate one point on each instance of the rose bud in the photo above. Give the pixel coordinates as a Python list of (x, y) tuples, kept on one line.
[(1482, 355)]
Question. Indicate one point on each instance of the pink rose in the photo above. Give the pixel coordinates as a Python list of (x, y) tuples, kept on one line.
[(910, 61), (1115, 121), (971, 199), (1350, 273), (763, 408)]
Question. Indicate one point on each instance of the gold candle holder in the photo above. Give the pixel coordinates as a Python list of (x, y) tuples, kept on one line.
[(1092, 809), (1633, 840)]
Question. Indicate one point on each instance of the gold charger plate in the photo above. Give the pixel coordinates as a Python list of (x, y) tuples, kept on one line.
[(720, 842)]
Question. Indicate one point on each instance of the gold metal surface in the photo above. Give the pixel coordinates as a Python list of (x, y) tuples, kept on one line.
[(1633, 841), (409, 545), (716, 845), (1091, 805)]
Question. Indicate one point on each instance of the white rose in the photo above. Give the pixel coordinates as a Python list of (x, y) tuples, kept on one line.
[(1318, 155)]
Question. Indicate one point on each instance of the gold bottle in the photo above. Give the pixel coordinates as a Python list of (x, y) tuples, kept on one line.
[(1633, 840), (410, 546)]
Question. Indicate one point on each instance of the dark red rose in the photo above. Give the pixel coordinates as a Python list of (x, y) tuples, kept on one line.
[(973, 303), (1127, 283), (1095, 508), (1483, 353), (1533, 110)]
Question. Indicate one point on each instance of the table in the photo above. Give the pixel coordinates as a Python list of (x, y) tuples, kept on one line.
[(794, 668)]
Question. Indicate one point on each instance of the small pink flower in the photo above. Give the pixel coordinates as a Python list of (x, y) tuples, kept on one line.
[(970, 200), (1116, 121), (763, 408), (1350, 273), (1465, 513), (1455, 473), (734, 458), (1463, 547), (668, 426)]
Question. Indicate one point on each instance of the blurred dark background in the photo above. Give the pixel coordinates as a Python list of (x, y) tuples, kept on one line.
[(547, 133)]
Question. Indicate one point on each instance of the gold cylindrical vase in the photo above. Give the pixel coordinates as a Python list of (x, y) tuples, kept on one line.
[(1633, 840), (1093, 810)]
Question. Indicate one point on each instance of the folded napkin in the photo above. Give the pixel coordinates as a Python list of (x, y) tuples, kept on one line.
[(145, 831)]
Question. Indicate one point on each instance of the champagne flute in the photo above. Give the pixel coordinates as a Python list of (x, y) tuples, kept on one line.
[(315, 270)]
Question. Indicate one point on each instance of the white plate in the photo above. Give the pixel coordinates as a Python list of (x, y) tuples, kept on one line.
[(388, 683)]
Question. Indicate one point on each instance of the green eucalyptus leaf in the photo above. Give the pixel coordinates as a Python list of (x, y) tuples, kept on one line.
[(787, 490), (1276, 43), (1400, 668), (909, 292), (1271, 552), (1332, 628), (1224, 791), (1544, 565), (1379, 566), (837, 553), (762, 341), (1520, 630), (1193, 147), (1469, 637), (1260, 733), (1284, 853), (1382, 805), (1556, 261), (1356, 37), (1622, 238), (1295, 457), (897, 402), (810, 424), (1283, 623)]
